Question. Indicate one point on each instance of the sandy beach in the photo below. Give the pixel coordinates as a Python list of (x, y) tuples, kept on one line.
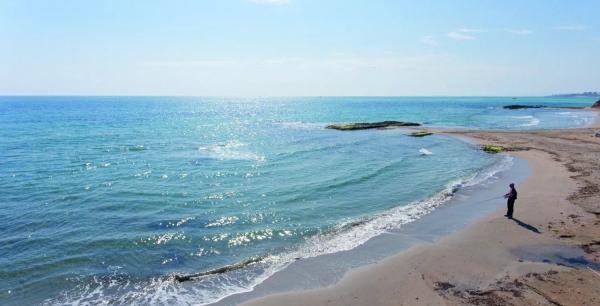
[(291, 152), (499, 261)]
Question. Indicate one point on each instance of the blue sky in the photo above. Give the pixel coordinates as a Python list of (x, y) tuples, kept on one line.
[(299, 47)]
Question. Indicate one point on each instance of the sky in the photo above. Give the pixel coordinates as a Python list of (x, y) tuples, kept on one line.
[(299, 47)]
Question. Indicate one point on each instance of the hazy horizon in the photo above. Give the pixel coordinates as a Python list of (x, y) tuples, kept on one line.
[(289, 96), (298, 48)]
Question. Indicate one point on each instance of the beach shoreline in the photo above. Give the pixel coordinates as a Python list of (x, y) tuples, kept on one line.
[(267, 206), (491, 260), (472, 198)]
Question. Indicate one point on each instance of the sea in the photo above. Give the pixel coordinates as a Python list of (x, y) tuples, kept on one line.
[(111, 200)]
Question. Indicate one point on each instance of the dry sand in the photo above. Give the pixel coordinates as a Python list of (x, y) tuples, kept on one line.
[(558, 205)]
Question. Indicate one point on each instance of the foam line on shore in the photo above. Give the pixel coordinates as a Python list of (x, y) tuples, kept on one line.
[(254, 271), (349, 235)]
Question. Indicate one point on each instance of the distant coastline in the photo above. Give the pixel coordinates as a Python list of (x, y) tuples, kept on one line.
[(587, 94)]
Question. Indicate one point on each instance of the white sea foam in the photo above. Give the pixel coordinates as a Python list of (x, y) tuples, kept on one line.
[(530, 120), (213, 288), (424, 151), (356, 232), (585, 121), (580, 118), (232, 150), (489, 174), (351, 234)]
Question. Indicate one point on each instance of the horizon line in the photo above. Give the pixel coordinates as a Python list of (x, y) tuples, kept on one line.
[(289, 96)]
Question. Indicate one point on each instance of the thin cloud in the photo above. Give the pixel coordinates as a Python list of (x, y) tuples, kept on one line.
[(518, 31), (569, 28), (464, 33), (430, 41), (456, 35)]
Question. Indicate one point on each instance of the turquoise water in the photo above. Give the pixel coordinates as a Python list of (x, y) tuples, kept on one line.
[(104, 199)]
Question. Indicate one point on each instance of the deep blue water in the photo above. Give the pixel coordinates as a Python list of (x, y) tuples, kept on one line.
[(104, 199)]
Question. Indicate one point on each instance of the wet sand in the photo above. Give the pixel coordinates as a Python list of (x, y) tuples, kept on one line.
[(499, 261)]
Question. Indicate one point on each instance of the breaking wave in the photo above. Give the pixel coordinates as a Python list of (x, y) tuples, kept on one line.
[(206, 287), (529, 120)]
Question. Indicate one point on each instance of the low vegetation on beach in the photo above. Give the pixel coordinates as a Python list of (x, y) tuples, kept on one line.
[(420, 134), (495, 149)]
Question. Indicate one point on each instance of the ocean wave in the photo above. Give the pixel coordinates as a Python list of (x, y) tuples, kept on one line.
[(232, 150), (483, 177), (581, 119), (350, 234), (531, 120), (328, 147), (353, 233), (211, 286), (221, 270), (121, 289), (326, 186), (585, 121)]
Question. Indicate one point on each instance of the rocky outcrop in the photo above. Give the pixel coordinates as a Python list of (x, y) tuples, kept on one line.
[(372, 125), (519, 106), (493, 149), (596, 105), (420, 134)]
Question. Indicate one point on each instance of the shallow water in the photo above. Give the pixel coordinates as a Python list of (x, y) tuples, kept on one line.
[(468, 204), (570, 256), (105, 198)]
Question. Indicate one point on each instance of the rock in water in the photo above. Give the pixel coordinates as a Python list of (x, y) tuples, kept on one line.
[(370, 125), (596, 105), (420, 134), (519, 106)]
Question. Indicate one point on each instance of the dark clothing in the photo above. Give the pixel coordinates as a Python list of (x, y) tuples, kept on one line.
[(510, 203), (512, 195)]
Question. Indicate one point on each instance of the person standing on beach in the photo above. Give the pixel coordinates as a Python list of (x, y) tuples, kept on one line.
[(511, 196)]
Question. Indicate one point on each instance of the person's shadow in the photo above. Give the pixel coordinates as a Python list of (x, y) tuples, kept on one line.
[(526, 226)]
